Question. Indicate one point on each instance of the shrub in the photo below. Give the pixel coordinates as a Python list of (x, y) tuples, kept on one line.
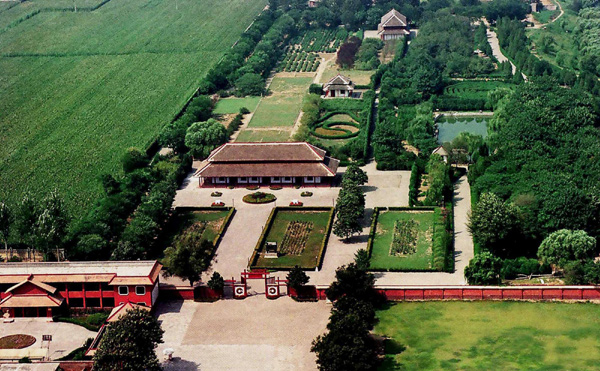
[(259, 198), (306, 194), (133, 159), (275, 187), (216, 282), (484, 269), (252, 188), (216, 194), (244, 111), (315, 89), (511, 268)]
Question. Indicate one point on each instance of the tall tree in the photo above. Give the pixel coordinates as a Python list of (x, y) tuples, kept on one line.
[(51, 225), (203, 137), (129, 344), (26, 216), (565, 245), (6, 220), (297, 278), (350, 208), (356, 174), (189, 256)]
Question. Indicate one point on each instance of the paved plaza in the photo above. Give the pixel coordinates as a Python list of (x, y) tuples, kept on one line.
[(251, 334)]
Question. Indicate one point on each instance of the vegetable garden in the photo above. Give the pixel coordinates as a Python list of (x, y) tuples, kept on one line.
[(404, 240), (301, 236)]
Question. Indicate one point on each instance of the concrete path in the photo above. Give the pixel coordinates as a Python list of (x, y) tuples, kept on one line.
[(495, 44), (251, 334)]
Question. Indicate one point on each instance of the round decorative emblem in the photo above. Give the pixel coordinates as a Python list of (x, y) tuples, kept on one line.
[(272, 291), (239, 291)]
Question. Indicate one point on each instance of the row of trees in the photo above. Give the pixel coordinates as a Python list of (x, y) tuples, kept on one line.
[(350, 204)]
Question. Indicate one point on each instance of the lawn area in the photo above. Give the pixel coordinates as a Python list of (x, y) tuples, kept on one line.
[(358, 77), (211, 220), (282, 107), (490, 336), (233, 105), (403, 240), (300, 235), (272, 135), (78, 89)]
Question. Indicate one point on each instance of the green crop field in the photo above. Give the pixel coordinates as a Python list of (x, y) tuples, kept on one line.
[(299, 235), (383, 256), (282, 107), (77, 89), (490, 336), (233, 105)]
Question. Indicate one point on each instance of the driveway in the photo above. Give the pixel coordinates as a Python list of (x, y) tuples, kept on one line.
[(251, 334), (66, 337)]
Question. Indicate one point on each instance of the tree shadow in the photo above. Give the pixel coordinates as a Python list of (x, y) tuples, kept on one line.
[(171, 306), (179, 364)]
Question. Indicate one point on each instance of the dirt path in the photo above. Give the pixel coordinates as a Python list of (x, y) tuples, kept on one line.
[(495, 44)]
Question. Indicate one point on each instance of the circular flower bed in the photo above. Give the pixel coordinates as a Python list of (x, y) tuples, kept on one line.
[(259, 198), (19, 341), (336, 130)]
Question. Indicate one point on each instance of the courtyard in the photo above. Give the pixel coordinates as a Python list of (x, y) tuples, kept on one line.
[(251, 334)]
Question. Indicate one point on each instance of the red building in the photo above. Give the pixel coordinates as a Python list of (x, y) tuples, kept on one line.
[(45, 289), (281, 164)]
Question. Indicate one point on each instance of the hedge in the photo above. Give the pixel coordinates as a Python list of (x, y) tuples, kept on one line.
[(327, 125)]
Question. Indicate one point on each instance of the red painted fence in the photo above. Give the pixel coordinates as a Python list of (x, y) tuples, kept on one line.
[(539, 293)]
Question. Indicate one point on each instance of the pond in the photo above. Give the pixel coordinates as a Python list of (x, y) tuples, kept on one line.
[(450, 126)]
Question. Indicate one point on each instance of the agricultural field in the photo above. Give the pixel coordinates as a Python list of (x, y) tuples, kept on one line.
[(474, 89), (403, 240), (209, 221), (232, 105), (320, 41), (451, 126), (281, 108), (298, 61), (490, 336), (77, 89), (300, 236)]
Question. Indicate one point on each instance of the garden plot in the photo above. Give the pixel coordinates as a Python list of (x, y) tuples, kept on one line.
[(281, 108), (300, 235), (403, 240), (233, 105), (209, 222)]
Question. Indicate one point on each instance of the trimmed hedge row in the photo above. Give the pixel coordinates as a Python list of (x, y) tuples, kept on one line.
[(268, 225), (327, 125)]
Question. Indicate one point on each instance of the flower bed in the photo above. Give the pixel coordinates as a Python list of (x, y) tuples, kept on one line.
[(216, 194), (259, 198), (335, 130), (19, 341), (306, 194)]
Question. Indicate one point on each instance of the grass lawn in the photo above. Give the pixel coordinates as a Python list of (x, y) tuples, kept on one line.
[(491, 336), (274, 135), (282, 107), (183, 219), (78, 89), (382, 257), (358, 77), (233, 105), (299, 235)]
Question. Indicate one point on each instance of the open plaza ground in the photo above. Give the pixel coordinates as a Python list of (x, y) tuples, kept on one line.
[(252, 334), (490, 336)]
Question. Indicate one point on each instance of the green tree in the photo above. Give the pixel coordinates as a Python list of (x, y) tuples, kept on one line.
[(190, 255), (130, 343), (216, 282), (90, 247), (297, 278), (566, 245), (484, 269), (172, 135), (494, 224), (6, 220), (26, 216), (250, 84), (361, 259), (140, 233), (133, 159), (203, 137), (356, 174), (51, 225), (353, 282)]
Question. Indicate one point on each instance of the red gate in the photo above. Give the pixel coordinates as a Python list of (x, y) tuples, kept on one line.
[(272, 284)]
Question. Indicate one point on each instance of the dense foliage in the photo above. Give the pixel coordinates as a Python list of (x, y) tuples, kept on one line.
[(484, 269)]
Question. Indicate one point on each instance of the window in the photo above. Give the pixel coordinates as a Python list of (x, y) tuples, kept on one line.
[(309, 179), (140, 290), (221, 180), (243, 179), (255, 179), (92, 302), (108, 302), (74, 286), (76, 302), (142, 303), (287, 179), (318, 179), (275, 179), (91, 286), (123, 290)]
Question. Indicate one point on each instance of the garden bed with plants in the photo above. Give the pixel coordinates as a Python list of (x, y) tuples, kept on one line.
[(408, 239), (211, 222), (18, 341), (337, 125), (301, 236), (259, 198)]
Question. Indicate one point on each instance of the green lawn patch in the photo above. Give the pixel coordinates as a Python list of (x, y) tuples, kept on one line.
[(233, 105), (213, 221), (282, 107), (403, 239), (490, 336), (78, 89), (271, 135), (301, 236), (474, 89)]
